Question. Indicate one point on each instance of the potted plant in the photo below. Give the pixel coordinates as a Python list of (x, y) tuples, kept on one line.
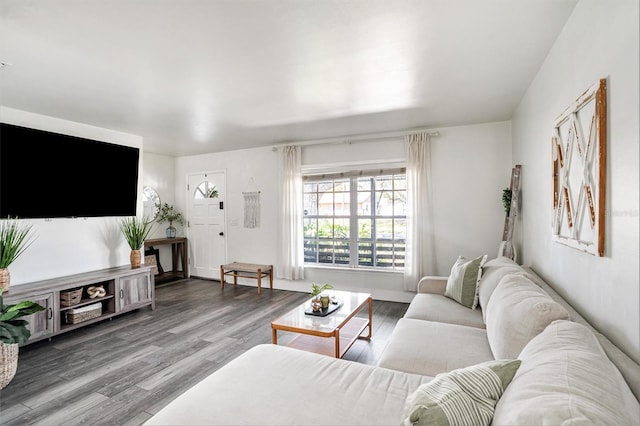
[(167, 213), (506, 200), (135, 231), (14, 239), (13, 332), (319, 299)]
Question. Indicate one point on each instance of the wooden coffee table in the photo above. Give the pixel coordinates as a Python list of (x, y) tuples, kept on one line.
[(332, 335)]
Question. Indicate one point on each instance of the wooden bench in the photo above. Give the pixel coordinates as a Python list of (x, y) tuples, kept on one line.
[(246, 270)]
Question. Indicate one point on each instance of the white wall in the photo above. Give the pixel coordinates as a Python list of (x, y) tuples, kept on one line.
[(69, 246), (159, 174), (600, 40), (471, 166)]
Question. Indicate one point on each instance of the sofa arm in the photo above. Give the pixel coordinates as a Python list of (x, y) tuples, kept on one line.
[(432, 285)]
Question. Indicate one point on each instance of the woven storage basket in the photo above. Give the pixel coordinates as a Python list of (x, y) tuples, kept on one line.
[(8, 363), (74, 316), (71, 297)]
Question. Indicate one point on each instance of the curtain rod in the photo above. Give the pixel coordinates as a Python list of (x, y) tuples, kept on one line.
[(357, 138)]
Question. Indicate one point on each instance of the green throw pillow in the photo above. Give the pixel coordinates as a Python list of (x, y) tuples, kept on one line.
[(466, 396), (462, 285)]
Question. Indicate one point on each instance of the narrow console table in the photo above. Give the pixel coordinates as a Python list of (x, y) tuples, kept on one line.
[(178, 256)]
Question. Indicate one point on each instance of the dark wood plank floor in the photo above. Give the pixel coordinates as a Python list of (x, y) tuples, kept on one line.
[(122, 371)]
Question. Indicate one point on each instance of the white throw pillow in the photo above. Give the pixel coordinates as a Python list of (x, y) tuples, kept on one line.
[(518, 311), (566, 379)]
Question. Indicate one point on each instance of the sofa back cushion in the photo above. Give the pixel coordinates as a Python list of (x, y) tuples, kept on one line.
[(492, 272), (566, 378), (518, 311)]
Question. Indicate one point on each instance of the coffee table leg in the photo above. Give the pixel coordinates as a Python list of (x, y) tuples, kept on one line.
[(274, 336), (259, 281), (338, 343), (370, 317)]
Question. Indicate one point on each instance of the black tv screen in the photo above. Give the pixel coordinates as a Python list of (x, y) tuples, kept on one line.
[(51, 175)]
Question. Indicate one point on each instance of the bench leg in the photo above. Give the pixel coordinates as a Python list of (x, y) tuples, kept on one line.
[(259, 281), (271, 278)]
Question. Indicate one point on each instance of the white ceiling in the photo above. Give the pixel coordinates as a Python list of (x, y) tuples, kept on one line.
[(197, 76)]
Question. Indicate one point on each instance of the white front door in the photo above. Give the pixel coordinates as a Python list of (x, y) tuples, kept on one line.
[(207, 223)]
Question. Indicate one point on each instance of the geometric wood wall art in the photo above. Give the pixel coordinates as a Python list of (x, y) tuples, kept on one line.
[(579, 154)]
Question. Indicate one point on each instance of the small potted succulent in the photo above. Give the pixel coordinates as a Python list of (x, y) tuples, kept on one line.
[(319, 298), (13, 332)]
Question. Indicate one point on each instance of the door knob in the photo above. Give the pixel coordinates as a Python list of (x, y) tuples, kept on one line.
[(221, 234)]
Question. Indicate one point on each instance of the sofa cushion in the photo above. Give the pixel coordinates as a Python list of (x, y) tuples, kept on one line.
[(276, 385), (463, 396), (437, 307), (517, 312), (430, 348), (492, 272), (462, 285), (566, 378)]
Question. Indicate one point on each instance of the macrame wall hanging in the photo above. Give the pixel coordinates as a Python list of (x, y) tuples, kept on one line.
[(251, 205)]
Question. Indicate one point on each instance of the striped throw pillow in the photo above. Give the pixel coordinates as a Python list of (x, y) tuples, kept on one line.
[(466, 396), (462, 285)]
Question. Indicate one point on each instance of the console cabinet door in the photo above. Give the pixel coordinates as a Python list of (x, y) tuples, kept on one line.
[(41, 323), (135, 291)]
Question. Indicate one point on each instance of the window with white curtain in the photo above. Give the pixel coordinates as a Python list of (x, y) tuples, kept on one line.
[(356, 219)]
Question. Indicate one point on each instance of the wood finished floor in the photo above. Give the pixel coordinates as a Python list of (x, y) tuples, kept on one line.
[(122, 371)]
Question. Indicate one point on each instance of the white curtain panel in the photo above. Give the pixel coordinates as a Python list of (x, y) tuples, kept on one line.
[(291, 262), (420, 252)]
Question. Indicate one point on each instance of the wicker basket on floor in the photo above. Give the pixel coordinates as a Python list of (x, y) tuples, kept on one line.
[(8, 363), (71, 297)]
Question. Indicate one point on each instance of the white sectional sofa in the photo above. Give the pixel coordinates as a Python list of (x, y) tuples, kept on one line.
[(568, 373)]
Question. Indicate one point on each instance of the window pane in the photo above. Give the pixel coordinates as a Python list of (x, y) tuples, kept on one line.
[(400, 203), (364, 203), (310, 228), (310, 204), (341, 185), (364, 184), (310, 187), (325, 204), (384, 203), (384, 182), (399, 182), (342, 205)]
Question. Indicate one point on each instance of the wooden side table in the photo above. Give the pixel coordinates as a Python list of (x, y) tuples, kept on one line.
[(246, 270)]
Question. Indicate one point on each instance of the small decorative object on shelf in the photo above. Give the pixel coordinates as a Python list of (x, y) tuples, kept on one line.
[(13, 332), (135, 232), (14, 239), (168, 213), (96, 291)]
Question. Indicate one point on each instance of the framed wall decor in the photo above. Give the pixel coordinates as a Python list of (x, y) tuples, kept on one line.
[(579, 151)]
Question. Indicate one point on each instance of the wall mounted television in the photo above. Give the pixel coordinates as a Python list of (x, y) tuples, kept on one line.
[(51, 175)]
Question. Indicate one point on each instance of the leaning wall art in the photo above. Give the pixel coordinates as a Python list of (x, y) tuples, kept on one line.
[(579, 148)]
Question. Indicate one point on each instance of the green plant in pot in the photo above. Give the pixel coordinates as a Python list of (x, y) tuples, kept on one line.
[(506, 200), (319, 299), (168, 213), (13, 332), (15, 237), (135, 231)]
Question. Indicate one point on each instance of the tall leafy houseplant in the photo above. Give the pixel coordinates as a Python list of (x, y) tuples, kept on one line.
[(15, 237), (135, 231), (13, 332), (168, 213)]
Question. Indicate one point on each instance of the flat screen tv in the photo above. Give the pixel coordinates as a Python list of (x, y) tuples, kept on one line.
[(51, 175)]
